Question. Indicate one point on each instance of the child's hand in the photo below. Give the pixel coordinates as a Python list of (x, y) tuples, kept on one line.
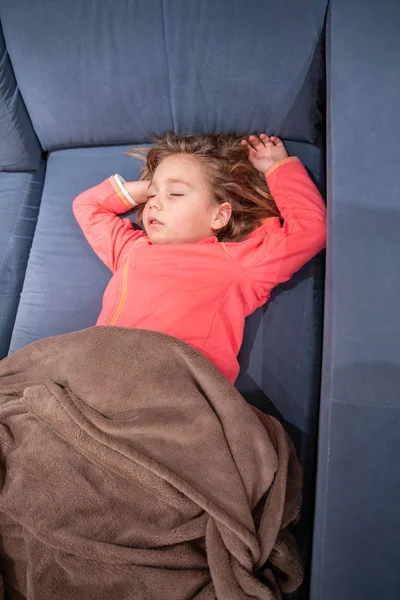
[(265, 152), (138, 190)]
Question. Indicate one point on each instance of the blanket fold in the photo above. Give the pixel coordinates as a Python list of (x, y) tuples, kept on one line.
[(131, 468)]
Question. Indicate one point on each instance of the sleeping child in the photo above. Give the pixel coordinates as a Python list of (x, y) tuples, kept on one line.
[(226, 220)]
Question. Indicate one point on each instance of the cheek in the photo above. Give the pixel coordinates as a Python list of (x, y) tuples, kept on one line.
[(190, 218), (181, 221)]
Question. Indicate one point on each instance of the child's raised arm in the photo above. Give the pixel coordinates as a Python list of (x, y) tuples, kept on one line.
[(277, 252), (97, 210)]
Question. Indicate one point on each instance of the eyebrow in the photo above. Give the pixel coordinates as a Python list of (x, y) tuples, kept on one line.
[(172, 180)]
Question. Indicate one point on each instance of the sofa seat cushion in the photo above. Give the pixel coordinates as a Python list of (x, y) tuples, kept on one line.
[(65, 282), (281, 352)]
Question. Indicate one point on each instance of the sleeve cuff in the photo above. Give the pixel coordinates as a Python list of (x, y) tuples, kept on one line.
[(272, 168), (120, 182)]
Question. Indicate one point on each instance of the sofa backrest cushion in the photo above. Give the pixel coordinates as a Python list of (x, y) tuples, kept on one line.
[(105, 72)]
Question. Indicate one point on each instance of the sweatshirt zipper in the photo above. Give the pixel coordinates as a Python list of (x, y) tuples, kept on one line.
[(123, 293)]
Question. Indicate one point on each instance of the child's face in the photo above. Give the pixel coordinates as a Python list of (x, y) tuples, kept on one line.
[(181, 208)]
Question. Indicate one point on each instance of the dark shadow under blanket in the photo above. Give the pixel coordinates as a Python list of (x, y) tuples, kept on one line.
[(131, 468)]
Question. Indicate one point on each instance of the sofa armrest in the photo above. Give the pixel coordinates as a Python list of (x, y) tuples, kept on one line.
[(20, 149), (20, 196), (357, 493)]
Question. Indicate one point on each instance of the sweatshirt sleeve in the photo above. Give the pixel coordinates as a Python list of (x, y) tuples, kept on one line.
[(96, 210), (279, 251)]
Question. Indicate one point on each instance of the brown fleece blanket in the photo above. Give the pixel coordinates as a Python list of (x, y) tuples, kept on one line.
[(131, 468)]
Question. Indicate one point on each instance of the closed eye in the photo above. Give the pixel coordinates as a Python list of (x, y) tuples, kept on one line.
[(170, 195)]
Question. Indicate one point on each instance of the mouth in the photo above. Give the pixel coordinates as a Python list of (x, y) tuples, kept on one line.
[(154, 222)]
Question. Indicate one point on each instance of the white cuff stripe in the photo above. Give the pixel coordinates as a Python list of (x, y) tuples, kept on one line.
[(120, 181)]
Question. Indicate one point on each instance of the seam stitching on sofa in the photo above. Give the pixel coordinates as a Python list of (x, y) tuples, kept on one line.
[(168, 67)]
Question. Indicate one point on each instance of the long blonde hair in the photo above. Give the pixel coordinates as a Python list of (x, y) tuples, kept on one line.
[(233, 178)]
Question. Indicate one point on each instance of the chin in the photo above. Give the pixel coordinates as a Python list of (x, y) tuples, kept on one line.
[(157, 239)]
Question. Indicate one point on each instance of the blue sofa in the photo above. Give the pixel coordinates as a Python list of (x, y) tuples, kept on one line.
[(81, 82)]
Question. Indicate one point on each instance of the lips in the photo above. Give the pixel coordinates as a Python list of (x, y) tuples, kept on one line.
[(154, 221)]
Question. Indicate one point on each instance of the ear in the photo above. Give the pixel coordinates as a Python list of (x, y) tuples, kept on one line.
[(222, 216)]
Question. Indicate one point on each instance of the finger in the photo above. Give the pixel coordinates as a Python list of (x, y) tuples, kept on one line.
[(276, 140), (268, 139), (258, 144), (248, 144), (248, 147), (265, 138)]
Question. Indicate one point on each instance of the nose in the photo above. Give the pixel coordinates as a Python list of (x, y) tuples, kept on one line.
[(155, 202)]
